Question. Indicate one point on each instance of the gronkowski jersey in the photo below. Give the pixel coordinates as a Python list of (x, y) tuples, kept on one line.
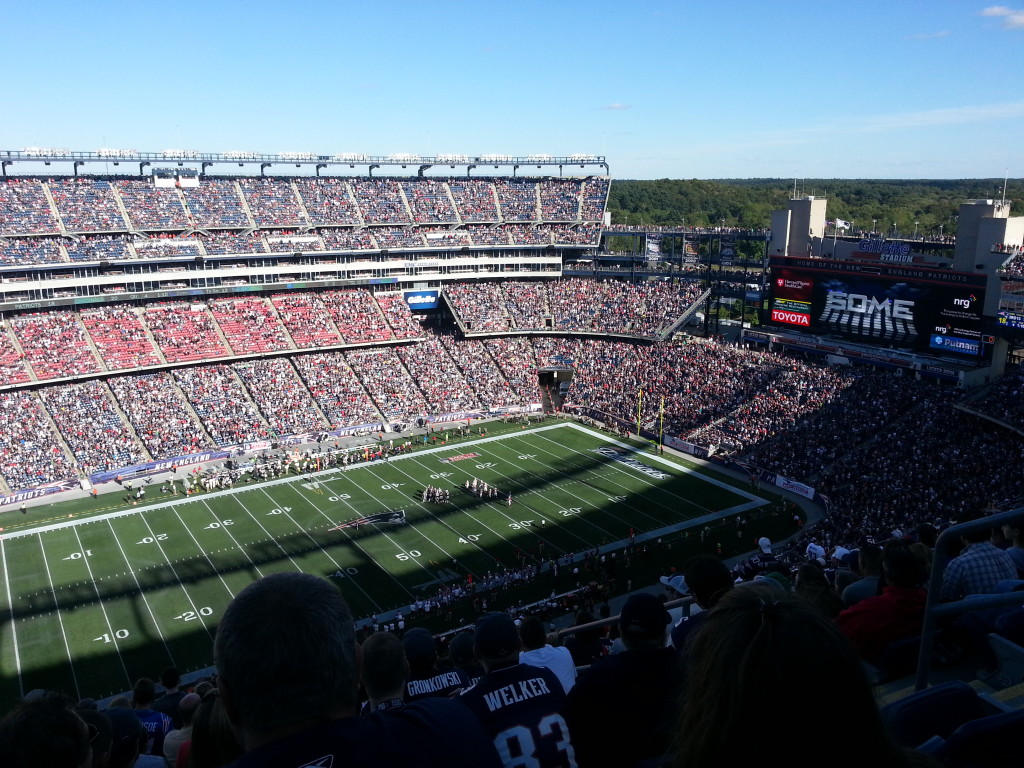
[(521, 708)]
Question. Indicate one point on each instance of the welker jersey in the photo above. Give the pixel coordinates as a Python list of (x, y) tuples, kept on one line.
[(521, 708)]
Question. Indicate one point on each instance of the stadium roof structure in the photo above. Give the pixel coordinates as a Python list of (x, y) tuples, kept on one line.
[(48, 155)]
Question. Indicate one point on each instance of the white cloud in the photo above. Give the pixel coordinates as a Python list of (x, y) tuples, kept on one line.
[(1012, 18), (616, 105)]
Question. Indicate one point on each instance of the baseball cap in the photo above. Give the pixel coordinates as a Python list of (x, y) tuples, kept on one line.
[(460, 650), (644, 614), (496, 636), (676, 582), (419, 644), (765, 544)]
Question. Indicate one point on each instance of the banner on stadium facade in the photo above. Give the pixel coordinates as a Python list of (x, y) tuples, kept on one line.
[(509, 409), (151, 467), (792, 485), (686, 447), (421, 299), (653, 247), (458, 416), (35, 493)]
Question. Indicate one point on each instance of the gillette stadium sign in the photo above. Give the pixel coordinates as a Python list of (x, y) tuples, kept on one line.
[(421, 299)]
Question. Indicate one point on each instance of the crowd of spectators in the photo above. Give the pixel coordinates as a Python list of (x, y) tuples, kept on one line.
[(481, 372), (89, 423), (159, 414), (1004, 399), (388, 382), (345, 239), (429, 201), (100, 248), (528, 234), (474, 200), (337, 390), (24, 209), (12, 369), (216, 204), (485, 234), (119, 336), (152, 208), (357, 316), (86, 205), (399, 316), (307, 320), (559, 199), (31, 250), (595, 198), (221, 402), (328, 201), (517, 199), (276, 390), (445, 388), (31, 453), (184, 332), (638, 309), (272, 202), (380, 201), (1014, 265), (397, 237), (55, 344), (249, 324), (219, 242)]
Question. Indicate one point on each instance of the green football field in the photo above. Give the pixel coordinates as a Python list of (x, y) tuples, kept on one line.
[(90, 604)]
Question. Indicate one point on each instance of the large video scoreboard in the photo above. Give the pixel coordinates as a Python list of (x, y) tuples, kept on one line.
[(902, 305)]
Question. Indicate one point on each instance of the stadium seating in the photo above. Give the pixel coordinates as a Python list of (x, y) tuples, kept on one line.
[(250, 325), (55, 343), (119, 337), (184, 332), (276, 389)]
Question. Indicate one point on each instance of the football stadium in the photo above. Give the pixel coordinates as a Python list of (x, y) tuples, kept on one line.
[(450, 386)]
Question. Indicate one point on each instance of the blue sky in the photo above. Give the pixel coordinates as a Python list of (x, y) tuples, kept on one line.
[(685, 89)]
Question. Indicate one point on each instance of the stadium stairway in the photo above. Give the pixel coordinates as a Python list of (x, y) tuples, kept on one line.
[(13, 337), (129, 427), (149, 334), (53, 208)]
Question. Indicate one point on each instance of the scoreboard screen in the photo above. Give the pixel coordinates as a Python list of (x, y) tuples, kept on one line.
[(903, 306)]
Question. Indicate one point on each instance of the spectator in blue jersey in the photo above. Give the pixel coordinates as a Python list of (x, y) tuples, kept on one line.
[(708, 579), (619, 711), (287, 666), (520, 706), (426, 677), (157, 724)]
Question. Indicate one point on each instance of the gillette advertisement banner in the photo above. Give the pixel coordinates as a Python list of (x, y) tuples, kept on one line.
[(421, 300), (922, 309)]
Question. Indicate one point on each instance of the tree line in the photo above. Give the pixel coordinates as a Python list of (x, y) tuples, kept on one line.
[(890, 206)]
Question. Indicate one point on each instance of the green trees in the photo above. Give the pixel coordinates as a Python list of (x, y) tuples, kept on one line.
[(748, 203)]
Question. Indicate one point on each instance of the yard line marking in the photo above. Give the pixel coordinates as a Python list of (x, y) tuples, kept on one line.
[(232, 536), (370, 558), (501, 511), (14, 628), (175, 572), (203, 551), (142, 593), (319, 546), (434, 516), (110, 627)]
